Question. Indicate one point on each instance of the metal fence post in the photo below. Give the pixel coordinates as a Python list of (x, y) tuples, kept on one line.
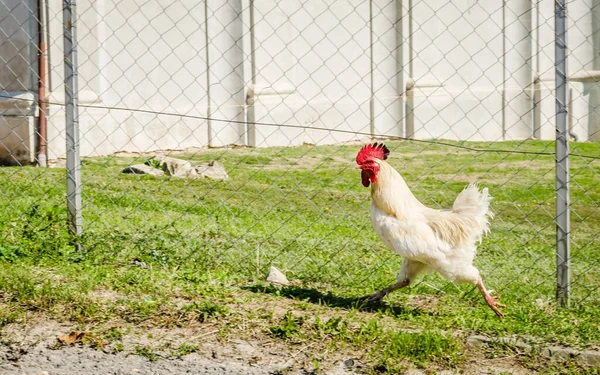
[(562, 157), (72, 116)]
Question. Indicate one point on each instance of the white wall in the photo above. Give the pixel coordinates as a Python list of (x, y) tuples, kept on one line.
[(151, 58), (312, 69), (335, 64), (457, 67)]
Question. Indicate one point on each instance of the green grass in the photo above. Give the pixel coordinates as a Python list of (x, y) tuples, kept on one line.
[(146, 352), (173, 251)]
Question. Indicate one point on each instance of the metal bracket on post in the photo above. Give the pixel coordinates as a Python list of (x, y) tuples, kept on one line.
[(72, 117), (563, 287)]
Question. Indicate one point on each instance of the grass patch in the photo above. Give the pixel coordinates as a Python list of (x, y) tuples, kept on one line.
[(174, 252), (419, 347), (289, 327), (146, 352), (185, 349)]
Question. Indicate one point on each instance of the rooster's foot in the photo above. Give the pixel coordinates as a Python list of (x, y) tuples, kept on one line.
[(494, 305), (378, 296), (491, 300), (375, 297)]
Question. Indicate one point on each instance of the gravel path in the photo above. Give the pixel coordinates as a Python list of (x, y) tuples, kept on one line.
[(41, 360)]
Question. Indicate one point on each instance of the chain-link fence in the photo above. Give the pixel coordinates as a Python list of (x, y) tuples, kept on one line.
[(265, 104)]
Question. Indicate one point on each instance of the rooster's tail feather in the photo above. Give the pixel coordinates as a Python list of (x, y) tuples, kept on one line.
[(475, 204)]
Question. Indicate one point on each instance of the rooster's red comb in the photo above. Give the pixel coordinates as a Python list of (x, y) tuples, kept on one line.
[(379, 151)]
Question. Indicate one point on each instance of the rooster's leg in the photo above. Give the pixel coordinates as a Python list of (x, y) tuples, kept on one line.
[(378, 296), (491, 301)]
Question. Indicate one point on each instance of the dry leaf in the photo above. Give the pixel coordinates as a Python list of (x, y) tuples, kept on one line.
[(71, 338), (79, 336)]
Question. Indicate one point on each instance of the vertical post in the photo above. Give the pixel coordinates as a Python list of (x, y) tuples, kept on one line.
[(371, 70), (409, 131), (410, 109), (42, 84), (537, 107), (518, 75), (225, 59), (386, 68), (72, 116), (250, 94), (562, 157), (594, 87)]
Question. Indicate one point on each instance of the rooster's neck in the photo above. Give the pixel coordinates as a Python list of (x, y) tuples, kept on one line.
[(391, 193)]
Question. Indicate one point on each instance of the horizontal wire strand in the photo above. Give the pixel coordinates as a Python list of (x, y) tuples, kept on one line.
[(391, 137)]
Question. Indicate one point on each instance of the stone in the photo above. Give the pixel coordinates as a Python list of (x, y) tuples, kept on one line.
[(183, 168), (57, 163), (143, 169), (174, 167), (275, 276), (213, 170), (185, 171)]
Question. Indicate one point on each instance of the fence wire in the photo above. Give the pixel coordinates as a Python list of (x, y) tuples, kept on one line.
[(265, 104)]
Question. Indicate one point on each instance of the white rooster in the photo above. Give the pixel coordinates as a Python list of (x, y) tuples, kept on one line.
[(428, 239)]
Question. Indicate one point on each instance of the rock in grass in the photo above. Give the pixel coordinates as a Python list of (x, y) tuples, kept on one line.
[(275, 276), (213, 170), (174, 167), (57, 163), (184, 169), (143, 169)]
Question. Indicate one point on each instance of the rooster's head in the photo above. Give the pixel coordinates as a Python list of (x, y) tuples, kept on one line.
[(368, 161)]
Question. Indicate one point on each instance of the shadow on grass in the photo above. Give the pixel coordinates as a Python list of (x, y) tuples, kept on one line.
[(328, 299)]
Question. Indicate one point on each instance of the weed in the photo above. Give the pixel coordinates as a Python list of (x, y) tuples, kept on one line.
[(421, 348), (11, 314), (569, 367), (316, 365), (154, 163), (146, 352), (335, 327), (185, 349), (289, 327), (113, 333), (206, 310), (9, 253)]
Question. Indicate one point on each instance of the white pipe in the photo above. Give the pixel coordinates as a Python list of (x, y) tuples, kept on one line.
[(225, 72), (518, 104)]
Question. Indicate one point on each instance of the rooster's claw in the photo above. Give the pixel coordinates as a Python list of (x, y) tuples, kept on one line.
[(491, 300), (375, 297), (494, 305)]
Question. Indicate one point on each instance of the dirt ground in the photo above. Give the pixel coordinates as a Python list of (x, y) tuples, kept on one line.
[(33, 349)]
